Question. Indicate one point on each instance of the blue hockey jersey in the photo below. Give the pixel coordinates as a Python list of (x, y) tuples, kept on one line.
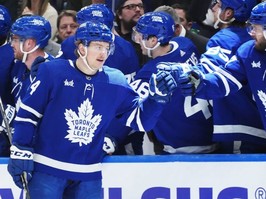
[(21, 80), (65, 114), (6, 60), (236, 117), (185, 121)]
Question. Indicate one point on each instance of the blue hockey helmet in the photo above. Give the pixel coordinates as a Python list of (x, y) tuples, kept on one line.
[(258, 14), (35, 27), (242, 8), (96, 12), (5, 21), (93, 31), (159, 24)]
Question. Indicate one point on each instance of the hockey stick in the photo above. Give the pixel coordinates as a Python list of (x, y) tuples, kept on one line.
[(9, 134)]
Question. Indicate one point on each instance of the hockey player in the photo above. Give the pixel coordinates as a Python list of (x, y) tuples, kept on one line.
[(185, 125), (246, 67), (6, 59), (6, 52), (238, 132), (123, 58), (61, 123), (29, 35)]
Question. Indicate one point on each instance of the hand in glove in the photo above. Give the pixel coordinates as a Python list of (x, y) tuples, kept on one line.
[(175, 75), (109, 145), (155, 93), (194, 85), (20, 164), (169, 74)]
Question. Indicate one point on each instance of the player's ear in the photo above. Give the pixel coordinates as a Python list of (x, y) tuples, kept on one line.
[(81, 49), (228, 14), (153, 40), (29, 44)]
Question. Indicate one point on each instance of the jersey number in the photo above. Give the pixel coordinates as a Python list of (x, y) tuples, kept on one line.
[(142, 88), (222, 53), (34, 86)]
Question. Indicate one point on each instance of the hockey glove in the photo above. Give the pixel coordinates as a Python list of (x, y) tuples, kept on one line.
[(191, 82), (20, 165), (109, 144), (155, 93), (35, 66), (10, 112), (169, 74), (187, 78)]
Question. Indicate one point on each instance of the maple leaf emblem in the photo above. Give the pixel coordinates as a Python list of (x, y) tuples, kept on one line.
[(82, 126), (262, 97)]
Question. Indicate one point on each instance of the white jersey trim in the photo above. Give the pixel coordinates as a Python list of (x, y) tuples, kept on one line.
[(229, 129), (191, 149), (65, 166)]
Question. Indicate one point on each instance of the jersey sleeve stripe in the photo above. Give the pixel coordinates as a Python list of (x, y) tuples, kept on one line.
[(31, 110)]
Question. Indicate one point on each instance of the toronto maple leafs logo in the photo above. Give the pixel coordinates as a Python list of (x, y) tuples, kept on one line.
[(262, 96), (83, 125)]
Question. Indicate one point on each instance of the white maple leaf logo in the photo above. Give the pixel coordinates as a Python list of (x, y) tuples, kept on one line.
[(82, 126), (262, 97)]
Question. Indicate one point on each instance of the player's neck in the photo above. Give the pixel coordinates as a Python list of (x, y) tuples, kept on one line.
[(32, 56), (161, 50), (84, 69)]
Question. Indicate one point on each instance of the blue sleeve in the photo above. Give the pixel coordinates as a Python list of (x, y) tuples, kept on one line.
[(32, 108)]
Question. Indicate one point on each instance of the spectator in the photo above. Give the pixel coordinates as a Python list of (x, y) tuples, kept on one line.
[(66, 25), (128, 13), (201, 14), (182, 12), (78, 4), (199, 41)]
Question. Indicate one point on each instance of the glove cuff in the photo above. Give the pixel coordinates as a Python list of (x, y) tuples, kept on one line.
[(21, 153)]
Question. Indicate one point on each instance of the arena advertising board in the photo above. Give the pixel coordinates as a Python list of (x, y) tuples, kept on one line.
[(173, 177)]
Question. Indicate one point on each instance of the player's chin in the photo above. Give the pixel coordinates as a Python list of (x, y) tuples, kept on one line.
[(98, 65)]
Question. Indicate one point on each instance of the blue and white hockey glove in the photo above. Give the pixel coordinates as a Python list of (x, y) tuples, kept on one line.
[(195, 83), (10, 112), (169, 74), (176, 75), (155, 93), (109, 144), (20, 164)]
